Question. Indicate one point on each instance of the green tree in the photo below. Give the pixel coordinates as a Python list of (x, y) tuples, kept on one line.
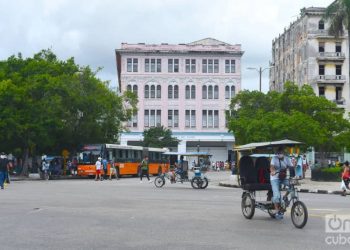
[(49, 105), (338, 13), (297, 114), (159, 137)]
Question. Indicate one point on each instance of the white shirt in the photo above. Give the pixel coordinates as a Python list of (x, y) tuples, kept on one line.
[(98, 165), (279, 164)]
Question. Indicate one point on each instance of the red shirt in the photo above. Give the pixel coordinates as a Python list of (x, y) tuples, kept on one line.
[(346, 175)]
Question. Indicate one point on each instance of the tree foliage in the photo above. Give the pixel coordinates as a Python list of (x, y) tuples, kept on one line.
[(48, 104), (297, 114), (159, 137)]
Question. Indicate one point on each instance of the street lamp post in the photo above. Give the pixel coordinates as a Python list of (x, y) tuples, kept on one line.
[(260, 70)]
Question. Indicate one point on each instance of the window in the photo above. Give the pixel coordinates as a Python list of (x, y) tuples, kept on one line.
[(190, 65), (233, 91), (193, 92), (227, 92), (204, 92), (321, 25), (210, 66), (153, 65), (173, 92), (173, 65), (338, 47), (159, 91), (133, 121), (187, 92), (216, 92), (146, 91), (321, 70), (338, 70), (338, 93), (152, 91), (230, 66), (128, 88), (210, 118), (173, 118), (190, 118), (135, 89), (132, 64), (152, 118), (321, 46), (321, 91), (210, 92)]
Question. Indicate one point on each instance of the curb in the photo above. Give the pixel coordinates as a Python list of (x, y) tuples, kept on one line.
[(302, 190)]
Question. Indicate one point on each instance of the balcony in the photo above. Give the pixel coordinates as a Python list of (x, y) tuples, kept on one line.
[(331, 56), (339, 102), (321, 34), (331, 79)]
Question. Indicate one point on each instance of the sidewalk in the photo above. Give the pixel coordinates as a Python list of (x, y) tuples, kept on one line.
[(307, 185)]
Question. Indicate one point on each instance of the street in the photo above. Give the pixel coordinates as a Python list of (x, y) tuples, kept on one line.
[(127, 214)]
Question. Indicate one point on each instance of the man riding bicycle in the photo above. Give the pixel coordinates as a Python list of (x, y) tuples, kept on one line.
[(278, 171)]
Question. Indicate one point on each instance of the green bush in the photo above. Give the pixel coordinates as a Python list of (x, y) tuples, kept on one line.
[(326, 174)]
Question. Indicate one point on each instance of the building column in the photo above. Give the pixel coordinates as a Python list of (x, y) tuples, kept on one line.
[(181, 147)]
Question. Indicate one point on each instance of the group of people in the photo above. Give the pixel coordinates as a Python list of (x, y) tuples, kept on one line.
[(102, 165), (5, 166)]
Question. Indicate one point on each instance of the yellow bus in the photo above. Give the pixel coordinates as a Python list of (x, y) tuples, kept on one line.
[(125, 158)]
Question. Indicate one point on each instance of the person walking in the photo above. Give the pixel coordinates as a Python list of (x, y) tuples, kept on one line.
[(105, 169), (144, 169), (3, 169), (345, 178), (98, 169)]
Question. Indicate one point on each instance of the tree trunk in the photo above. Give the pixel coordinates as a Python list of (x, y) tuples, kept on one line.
[(25, 162)]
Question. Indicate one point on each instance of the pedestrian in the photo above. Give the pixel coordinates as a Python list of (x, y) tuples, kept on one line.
[(144, 169), (112, 171), (105, 169), (98, 169), (299, 167), (294, 164), (305, 165), (45, 166), (3, 169), (345, 178)]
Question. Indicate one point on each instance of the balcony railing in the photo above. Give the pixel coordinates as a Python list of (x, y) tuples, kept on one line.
[(339, 101), (331, 55), (331, 77)]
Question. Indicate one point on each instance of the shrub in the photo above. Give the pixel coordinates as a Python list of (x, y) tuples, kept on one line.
[(326, 174)]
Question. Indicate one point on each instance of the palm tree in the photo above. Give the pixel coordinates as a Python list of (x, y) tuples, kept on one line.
[(338, 13)]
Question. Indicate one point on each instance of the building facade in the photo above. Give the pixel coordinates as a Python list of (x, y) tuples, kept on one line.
[(186, 88), (307, 54)]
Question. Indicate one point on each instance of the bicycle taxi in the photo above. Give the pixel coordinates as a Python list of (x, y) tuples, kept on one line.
[(176, 175), (254, 179)]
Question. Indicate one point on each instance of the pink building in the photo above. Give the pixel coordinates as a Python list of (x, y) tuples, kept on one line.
[(186, 88)]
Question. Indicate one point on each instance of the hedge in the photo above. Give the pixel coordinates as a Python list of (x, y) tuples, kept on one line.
[(326, 174)]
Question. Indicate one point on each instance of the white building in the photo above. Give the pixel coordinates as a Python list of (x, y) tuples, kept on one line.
[(186, 88), (307, 54)]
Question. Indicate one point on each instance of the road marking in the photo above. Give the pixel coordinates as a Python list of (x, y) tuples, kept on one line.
[(323, 209)]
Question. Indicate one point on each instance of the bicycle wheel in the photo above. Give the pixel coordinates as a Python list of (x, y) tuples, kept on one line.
[(205, 183), (299, 214), (248, 206), (159, 182), (196, 182)]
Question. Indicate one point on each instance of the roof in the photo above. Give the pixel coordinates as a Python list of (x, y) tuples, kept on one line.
[(208, 41), (255, 145), (188, 153)]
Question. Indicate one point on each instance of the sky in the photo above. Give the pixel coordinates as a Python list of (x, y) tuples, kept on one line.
[(91, 30)]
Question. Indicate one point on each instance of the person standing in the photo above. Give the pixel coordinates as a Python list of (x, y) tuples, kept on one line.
[(105, 169), (144, 169), (3, 169), (98, 169), (305, 165), (345, 178)]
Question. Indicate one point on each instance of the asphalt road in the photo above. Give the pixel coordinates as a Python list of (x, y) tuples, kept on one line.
[(127, 214)]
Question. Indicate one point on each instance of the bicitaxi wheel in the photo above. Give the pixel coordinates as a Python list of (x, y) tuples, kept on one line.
[(159, 182), (248, 206)]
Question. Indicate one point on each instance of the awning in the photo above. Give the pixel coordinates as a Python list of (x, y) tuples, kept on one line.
[(188, 153), (257, 145)]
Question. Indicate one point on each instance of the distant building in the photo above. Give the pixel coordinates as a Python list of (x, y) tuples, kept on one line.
[(307, 54), (186, 88)]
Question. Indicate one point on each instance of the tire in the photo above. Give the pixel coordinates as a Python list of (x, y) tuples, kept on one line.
[(196, 182), (159, 182), (248, 206), (205, 183), (299, 214)]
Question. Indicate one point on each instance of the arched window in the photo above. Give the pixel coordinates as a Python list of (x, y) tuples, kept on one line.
[(187, 92), (210, 92), (193, 92), (153, 91), (321, 25), (227, 92), (146, 91), (128, 88), (135, 89), (170, 92), (159, 90), (176, 92), (204, 92), (216, 92), (233, 91)]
